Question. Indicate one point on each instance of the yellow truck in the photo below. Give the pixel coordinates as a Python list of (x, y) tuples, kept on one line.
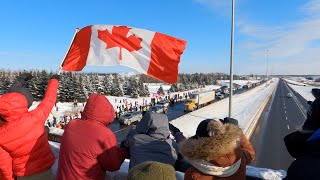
[(198, 100)]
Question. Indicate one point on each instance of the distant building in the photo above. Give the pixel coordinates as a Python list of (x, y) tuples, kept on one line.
[(154, 87)]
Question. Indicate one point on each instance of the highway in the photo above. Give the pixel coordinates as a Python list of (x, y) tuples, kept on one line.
[(284, 115), (174, 112)]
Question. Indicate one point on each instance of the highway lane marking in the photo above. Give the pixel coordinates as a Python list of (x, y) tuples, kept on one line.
[(294, 98), (288, 126), (286, 118), (285, 111)]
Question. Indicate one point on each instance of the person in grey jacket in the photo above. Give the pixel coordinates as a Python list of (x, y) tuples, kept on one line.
[(150, 141)]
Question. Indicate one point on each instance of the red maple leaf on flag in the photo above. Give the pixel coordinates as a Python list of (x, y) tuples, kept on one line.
[(118, 38)]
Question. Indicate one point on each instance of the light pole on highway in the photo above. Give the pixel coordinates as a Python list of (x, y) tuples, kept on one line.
[(231, 60), (267, 66)]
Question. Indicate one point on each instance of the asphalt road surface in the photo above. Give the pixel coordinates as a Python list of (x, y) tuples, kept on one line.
[(284, 116)]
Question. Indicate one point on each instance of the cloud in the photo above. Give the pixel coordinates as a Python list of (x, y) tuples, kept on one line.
[(312, 8), (291, 46)]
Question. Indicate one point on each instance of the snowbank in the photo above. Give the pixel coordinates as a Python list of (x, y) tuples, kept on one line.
[(244, 107)]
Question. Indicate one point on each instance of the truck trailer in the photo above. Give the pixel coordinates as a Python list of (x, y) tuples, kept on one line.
[(198, 100)]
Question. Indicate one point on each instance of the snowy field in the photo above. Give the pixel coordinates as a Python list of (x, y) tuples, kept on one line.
[(303, 81), (303, 89), (244, 107)]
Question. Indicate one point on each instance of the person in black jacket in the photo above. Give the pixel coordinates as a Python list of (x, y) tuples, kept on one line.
[(304, 145)]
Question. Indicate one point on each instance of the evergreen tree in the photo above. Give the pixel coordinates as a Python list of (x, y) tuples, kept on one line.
[(117, 89)]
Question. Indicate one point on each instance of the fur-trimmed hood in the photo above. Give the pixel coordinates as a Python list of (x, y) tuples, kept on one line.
[(224, 139)]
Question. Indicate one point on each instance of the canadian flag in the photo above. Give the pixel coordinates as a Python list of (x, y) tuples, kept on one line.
[(152, 53)]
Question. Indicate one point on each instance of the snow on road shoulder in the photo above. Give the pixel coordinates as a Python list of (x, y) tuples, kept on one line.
[(244, 106), (304, 91)]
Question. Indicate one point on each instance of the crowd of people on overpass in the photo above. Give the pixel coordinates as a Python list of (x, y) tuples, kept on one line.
[(156, 148)]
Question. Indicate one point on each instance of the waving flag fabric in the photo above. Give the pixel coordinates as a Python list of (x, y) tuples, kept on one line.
[(152, 53)]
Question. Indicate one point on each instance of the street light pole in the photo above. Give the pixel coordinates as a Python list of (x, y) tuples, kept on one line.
[(267, 66), (231, 60)]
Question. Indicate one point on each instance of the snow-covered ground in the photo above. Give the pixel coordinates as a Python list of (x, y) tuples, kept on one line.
[(244, 107), (304, 91), (290, 81), (302, 81)]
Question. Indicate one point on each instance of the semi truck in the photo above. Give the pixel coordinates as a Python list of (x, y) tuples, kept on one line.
[(198, 100)]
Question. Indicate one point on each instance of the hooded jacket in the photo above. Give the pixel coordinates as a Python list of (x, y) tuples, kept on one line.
[(150, 141), (306, 163), (221, 156), (88, 147), (24, 147)]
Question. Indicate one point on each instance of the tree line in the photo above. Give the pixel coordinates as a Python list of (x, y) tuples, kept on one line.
[(78, 86)]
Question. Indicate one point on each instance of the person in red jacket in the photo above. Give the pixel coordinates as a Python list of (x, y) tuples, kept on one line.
[(88, 147), (24, 148)]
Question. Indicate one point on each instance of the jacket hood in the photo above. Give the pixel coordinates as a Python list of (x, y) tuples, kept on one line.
[(221, 143), (13, 105), (155, 125), (98, 108)]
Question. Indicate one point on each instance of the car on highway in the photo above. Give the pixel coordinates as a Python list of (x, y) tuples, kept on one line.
[(220, 96), (160, 108), (130, 117), (289, 95)]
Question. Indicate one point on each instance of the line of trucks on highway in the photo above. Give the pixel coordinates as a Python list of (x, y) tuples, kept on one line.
[(201, 99)]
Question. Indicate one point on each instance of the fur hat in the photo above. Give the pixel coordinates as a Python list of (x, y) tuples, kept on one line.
[(24, 91), (208, 128), (213, 139), (152, 170)]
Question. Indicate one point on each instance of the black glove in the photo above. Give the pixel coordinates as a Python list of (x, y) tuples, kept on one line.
[(55, 76), (228, 120), (173, 129), (22, 80), (26, 76)]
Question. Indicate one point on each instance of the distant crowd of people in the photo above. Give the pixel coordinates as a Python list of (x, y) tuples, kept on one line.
[(156, 148)]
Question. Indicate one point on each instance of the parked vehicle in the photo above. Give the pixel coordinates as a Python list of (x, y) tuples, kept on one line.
[(197, 100), (289, 95), (130, 117)]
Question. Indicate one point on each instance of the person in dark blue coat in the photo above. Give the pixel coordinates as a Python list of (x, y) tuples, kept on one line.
[(304, 145)]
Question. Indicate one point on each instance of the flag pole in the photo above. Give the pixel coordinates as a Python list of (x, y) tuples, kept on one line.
[(231, 60), (75, 33)]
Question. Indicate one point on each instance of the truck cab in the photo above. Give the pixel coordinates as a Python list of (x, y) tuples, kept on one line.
[(189, 105)]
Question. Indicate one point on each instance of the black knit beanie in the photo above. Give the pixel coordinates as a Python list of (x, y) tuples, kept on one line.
[(202, 129), (24, 91)]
